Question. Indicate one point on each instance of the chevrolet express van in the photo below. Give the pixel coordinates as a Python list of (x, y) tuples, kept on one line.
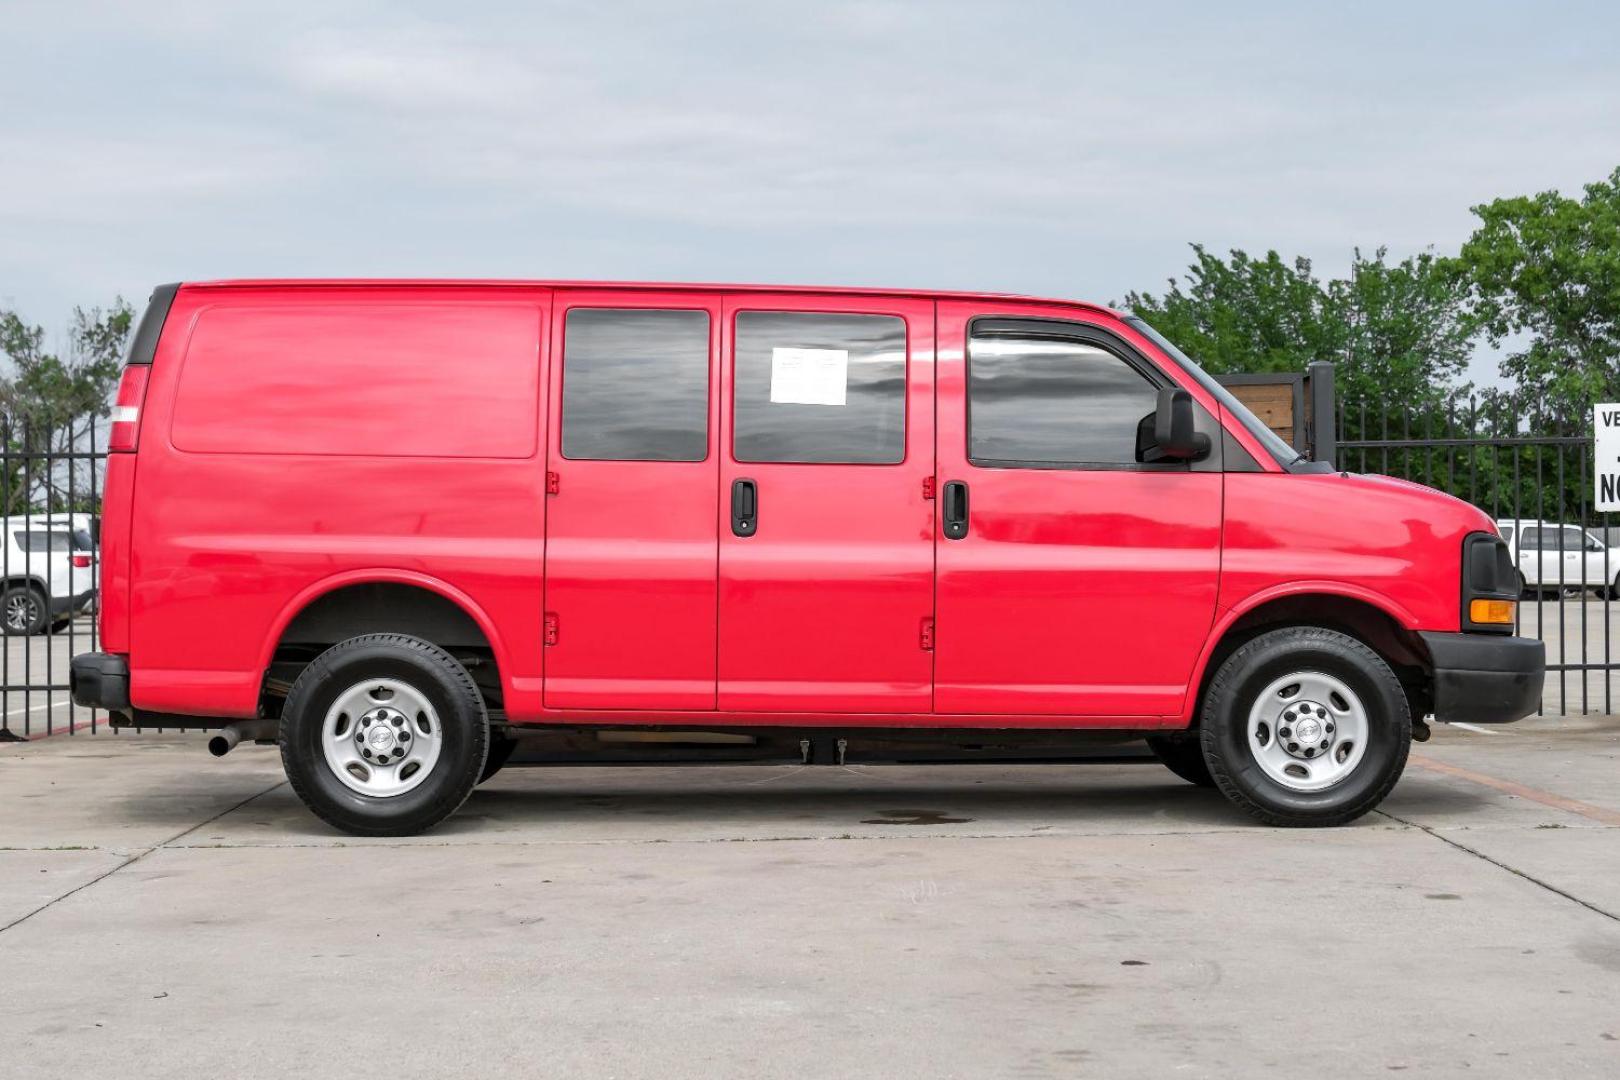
[(393, 526)]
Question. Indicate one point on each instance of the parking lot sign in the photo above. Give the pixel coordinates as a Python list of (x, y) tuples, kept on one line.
[(1606, 469)]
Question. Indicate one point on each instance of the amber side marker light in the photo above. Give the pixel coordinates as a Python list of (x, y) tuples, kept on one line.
[(1491, 611)]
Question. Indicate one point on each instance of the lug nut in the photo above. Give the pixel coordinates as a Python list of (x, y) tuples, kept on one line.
[(1285, 732), (1324, 744), (404, 736), (1310, 751), (1292, 747), (1330, 727), (398, 720)]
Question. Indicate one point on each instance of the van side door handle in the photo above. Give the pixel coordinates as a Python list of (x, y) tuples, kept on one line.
[(744, 507), (955, 510)]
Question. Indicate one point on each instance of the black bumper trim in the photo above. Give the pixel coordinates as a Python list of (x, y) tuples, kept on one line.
[(100, 680), (1485, 678)]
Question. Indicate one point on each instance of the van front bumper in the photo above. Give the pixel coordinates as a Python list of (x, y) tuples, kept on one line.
[(99, 680), (1485, 679)]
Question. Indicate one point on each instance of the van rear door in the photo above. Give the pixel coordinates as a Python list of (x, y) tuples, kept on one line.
[(826, 561)]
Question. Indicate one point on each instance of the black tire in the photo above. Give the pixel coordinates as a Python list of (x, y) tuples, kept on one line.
[(436, 676), (1248, 671), (23, 610), (1184, 756), (500, 752), (1524, 587)]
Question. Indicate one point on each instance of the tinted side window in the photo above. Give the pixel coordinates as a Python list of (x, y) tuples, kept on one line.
[(1044, 402), (820, 387), (42, 541), (635, 385)]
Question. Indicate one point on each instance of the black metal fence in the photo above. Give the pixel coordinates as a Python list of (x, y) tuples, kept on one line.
[(50, 500), (1531, 474)]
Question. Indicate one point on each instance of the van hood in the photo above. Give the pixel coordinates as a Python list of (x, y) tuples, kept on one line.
[(1466, 514)]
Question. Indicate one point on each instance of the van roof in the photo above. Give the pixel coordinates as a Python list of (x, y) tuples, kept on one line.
[(930, 294)]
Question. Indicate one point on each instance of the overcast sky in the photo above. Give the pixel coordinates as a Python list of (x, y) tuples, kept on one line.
[(1063, 149)]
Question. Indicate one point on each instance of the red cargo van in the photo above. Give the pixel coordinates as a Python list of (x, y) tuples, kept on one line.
[(394, 525)]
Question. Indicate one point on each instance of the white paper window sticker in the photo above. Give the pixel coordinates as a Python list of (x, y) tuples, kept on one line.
[(809, 376)]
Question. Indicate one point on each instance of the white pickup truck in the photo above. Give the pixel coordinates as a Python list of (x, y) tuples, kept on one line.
[(48, 570), (1550, 556)]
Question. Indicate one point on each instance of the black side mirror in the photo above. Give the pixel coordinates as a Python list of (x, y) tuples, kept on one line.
[(1167, 434)]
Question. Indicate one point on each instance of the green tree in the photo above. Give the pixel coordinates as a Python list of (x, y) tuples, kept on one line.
[(48, 400), (1544, 270), (1397, 332)]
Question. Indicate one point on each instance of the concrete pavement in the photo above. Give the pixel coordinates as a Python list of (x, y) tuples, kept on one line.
[(171, 915)]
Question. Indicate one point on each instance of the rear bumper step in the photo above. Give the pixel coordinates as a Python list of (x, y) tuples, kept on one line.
[(100, 681)]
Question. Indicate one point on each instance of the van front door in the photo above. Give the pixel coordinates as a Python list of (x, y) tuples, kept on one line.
[(630, 523), (1072, 578), (826, 556)]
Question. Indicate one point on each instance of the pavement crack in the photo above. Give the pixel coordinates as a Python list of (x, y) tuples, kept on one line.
[(138, 856), (1500, 865)]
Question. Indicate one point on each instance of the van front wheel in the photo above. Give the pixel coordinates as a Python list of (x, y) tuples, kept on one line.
[(384, 735), (1306, 726)]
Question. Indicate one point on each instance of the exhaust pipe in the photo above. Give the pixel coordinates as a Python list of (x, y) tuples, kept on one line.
[(231, 734)]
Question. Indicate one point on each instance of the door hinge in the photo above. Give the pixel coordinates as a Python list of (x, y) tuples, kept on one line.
[(553, 483), (551, 628), (927, 640), (928, 487)]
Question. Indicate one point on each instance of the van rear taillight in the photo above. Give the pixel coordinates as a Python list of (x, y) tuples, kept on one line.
[(126, 412)]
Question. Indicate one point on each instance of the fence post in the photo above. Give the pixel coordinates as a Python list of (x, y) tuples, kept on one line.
[(1324, 437)]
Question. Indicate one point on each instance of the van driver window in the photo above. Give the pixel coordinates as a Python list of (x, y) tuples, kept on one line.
[(1045, 402)]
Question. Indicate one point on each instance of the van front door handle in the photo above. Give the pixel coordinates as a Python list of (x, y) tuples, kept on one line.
[(955, 510), (744, 507)]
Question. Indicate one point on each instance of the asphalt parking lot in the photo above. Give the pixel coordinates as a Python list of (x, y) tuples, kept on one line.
[(168, 914)]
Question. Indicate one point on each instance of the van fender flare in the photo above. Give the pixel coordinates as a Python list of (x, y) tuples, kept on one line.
[(1225, 618), (390, 575)]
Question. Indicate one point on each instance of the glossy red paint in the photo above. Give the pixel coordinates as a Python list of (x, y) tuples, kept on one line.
[(630, 553), (297, 437), (821, 610)]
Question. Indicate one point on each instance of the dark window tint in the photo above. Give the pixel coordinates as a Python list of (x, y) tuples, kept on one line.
[(635, 385), (1550, 540), (43, 541), (820, 387), (1044, 402)]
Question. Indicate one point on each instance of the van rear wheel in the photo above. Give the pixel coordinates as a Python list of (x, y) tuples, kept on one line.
[(1306, 726), (384, 735)]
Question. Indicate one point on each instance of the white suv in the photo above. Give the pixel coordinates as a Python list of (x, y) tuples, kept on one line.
[(1552, 556), (48, 570)]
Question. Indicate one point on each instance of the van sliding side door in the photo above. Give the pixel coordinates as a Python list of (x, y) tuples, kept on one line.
[(826, 556), (631, 515)]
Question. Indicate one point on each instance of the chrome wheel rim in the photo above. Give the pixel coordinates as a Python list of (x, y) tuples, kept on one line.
[(1308, 731), (382, 737), (20, 612)]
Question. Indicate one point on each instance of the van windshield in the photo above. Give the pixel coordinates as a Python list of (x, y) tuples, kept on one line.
[(1275, 444)]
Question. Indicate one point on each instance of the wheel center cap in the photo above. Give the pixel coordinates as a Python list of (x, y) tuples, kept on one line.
[(1308, 729), (380, 737)]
